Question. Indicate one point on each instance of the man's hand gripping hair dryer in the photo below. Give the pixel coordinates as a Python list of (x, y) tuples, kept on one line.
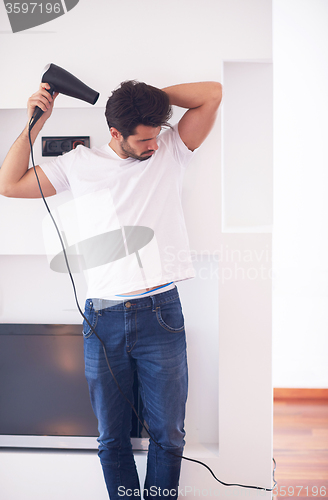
[(64, 82)]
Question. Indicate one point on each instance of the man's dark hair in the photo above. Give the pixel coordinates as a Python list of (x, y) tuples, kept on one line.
[(136, 103)]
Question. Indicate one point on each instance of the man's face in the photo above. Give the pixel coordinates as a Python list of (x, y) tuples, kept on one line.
[(142, 145)]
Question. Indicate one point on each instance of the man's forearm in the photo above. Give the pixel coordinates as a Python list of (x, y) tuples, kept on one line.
[(194, 95)]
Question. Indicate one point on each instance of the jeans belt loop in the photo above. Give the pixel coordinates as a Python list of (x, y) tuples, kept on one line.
[(97, 304), (153, 302)]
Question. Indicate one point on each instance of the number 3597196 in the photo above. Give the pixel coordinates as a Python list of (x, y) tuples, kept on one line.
[(299, 491), (33, 8)]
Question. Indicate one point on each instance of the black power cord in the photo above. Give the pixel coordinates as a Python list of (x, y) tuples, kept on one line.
[(104, 349)]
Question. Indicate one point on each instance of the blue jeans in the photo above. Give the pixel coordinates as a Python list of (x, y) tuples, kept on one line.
[(145, 334)]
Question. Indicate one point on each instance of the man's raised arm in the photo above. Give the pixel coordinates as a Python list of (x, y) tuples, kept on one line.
[(202, 101), (16, 180)]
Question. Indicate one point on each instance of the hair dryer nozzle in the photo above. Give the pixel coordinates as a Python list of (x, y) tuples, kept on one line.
[(64, 82)]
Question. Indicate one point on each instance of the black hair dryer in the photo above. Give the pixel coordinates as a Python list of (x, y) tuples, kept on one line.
[(64, 82)]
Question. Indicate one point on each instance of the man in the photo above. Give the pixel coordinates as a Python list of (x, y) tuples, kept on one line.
[(129, 190)]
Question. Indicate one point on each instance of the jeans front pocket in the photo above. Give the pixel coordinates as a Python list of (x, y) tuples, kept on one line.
[(92, 317), (170, 316)]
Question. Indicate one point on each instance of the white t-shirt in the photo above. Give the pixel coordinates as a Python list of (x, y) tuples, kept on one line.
[(132, 230)]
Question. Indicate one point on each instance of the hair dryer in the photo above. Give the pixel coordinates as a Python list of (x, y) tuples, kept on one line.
[(64, 82)]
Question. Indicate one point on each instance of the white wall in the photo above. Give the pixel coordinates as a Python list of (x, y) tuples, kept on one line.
[(300, 239), (229, 420), (158, 42), (247, 147)]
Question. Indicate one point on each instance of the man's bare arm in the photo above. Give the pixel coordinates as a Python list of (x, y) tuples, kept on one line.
[(16, 180), (202, 101)]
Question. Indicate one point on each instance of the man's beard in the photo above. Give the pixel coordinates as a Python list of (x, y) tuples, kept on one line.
[(126, 148)]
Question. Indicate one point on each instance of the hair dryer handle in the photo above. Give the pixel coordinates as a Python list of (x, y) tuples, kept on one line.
[(38, 111)]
